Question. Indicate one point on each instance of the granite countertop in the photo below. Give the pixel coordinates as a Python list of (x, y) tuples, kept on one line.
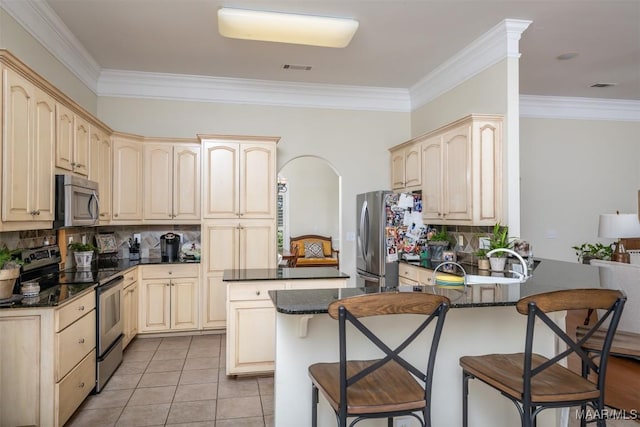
[(305, 273), (549, 275)]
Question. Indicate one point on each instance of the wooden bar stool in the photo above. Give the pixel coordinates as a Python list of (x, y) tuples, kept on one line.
[(533, 382), (386, 387)]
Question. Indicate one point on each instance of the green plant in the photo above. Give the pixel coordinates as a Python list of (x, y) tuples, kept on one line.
[(440, 236), (481, 253), (7, 261), (500, 239), (81, 247), (587, 251)]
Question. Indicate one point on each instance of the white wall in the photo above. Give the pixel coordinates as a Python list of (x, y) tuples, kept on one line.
[(354, 142), (20, 43), (573, 171)]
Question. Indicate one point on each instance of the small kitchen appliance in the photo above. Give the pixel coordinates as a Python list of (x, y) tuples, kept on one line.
[(169, 247)]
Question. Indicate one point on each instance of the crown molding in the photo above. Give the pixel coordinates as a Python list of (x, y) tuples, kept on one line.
[(39, 20), (118, 83), (500, 42), (574, 108)]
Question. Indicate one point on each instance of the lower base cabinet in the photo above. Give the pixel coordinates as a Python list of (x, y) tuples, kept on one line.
[(168, 298), (52, 358), (251, 322), (130, 301)]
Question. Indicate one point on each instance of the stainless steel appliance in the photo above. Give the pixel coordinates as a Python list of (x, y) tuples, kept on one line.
[(109, 328), (169, 247), (77, 202), (372, 268)]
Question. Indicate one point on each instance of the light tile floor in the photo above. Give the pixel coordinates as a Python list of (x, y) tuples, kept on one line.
[(178, 381)]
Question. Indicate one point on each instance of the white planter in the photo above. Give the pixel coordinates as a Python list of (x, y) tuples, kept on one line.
[(7, 282), (497, 263), (83, 259)]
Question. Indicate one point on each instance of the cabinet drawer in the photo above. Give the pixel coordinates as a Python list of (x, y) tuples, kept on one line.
[(247, 291), (425, 277), (317, 284), (74, 310), (408, 272), (130, 276), (75, 387), (74, 343), (169, 271)]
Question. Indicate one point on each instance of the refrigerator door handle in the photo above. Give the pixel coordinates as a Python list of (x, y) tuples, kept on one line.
[(364, 230), (369, 277)]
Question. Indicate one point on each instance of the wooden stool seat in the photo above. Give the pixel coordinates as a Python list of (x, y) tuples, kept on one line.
[(504, 372), (388, 389), (625, 344)]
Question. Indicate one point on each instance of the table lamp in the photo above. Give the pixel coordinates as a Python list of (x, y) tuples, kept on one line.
[(619, 226)]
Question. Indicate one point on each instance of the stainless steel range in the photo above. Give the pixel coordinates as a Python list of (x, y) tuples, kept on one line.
[(42, 265)]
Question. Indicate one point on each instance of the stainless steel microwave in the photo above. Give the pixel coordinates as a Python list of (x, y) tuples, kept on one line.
[(77, 202)]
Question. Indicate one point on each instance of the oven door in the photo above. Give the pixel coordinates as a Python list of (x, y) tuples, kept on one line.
[(110, 314)]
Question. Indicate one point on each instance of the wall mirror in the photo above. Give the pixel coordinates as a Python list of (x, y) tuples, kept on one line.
[(309, 190)]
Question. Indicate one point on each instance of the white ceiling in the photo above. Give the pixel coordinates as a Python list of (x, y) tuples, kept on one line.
[(397, 44)]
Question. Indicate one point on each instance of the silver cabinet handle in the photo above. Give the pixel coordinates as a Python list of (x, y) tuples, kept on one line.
[(81, 341), (258, 293), (81, 385), (81, 308)]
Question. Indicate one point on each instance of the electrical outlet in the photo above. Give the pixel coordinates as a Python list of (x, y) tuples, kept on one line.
[(402, 422), (70, 239)]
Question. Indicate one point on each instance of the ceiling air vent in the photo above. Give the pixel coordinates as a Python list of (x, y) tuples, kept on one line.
[(603, 84), (295, 67)]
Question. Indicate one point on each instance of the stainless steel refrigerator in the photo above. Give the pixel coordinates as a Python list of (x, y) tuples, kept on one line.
[(372, 268)]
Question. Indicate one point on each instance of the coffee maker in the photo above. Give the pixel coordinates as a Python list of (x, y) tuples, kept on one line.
[(169, 247)]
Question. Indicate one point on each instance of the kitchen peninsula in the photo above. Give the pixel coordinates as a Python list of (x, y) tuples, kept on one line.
[(251, 316), (482, 319)]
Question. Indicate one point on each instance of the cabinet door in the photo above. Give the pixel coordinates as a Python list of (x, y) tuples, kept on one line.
[(487, 166), (457, 190), (100, 170), (127, 180), (432, 179), (81, 146), (251, 347), (184, 304), (397, 169), (155, 305), (158, 181), (413, 166), (221, 249), (130, 303), (257, 181), (64, 137), (186, 182), (258, 244), (214, 302), (42, 191), (221, 163)]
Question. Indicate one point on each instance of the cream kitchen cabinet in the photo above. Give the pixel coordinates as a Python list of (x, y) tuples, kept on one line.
[(52, 360), (462, 172), (232, 244), (411, 275), (101, 170), (27, 153), (172, 182), (251, 323), (406, 170), (127, 179), (239, 177), (72, 141), (168, 298), (130, 302)]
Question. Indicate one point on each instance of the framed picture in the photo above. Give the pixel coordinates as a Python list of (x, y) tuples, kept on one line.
[(106, 243)]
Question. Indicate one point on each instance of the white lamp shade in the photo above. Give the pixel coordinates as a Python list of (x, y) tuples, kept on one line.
[(618, 226), (285, 27)]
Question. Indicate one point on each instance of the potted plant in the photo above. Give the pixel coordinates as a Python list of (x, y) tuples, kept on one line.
[(588, 251), (438, 243), (483, 261), (9, 272), (82, 253), (499, 239)]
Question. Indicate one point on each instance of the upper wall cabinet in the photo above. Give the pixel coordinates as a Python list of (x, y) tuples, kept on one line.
[(72, 141), (239, 177), (28, 116), (127, 179), (462, 172), (100, 169), (406, 170), (172, 182)]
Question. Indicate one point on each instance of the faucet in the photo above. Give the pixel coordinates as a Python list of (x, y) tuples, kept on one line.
[(525, 270)]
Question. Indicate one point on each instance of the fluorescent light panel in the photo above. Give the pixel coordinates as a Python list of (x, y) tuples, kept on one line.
[(285, 27)]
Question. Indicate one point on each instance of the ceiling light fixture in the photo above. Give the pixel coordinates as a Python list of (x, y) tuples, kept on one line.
[(285, 27)]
